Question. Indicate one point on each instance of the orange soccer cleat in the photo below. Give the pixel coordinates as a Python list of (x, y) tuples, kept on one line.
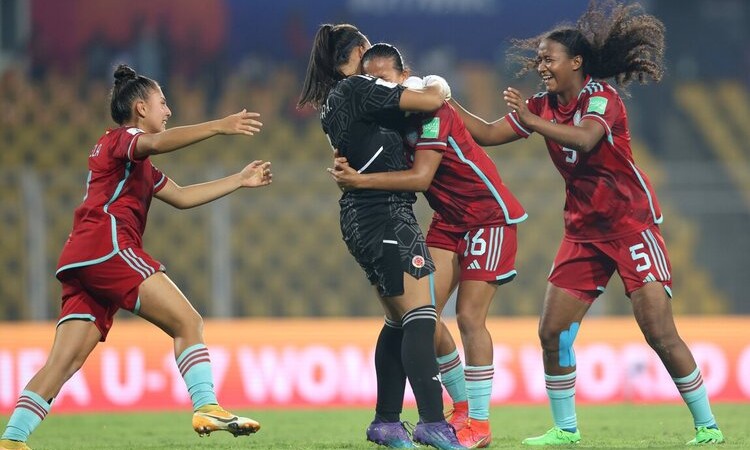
[(210, 418), (476, 434)]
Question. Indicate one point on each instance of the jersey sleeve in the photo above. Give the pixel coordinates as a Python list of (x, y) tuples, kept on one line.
[(375, 96), (160, 180), (435, 129), (535, 107), (604, 107), (125, 143)]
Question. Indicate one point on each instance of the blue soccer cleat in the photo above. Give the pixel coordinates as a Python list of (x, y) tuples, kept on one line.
[(389, 434), (440, 435)]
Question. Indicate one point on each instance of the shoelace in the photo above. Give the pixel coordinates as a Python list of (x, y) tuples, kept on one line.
[(409, 427)]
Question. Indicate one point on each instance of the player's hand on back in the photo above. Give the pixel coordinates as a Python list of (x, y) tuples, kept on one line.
[(256, 174), (343, 174), (243, 122)]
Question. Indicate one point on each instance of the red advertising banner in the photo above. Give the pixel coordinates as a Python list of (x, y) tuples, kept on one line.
[(329, 362)]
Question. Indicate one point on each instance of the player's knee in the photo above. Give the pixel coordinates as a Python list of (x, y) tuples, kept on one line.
[(660, 340), (196, 322), (190, 323), (558, 344), (548, 335), (553, 338), (470, 322)]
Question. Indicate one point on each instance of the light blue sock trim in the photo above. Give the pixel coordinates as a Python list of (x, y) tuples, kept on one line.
[(449, 357), (187, 351), (479, 393), (24, 421), (199, 380), (697, 401), (563, 402), (687, 379), (453, 379), (37, 398)]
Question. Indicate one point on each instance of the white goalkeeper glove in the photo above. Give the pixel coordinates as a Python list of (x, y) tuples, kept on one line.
[(413, 83), (445, 89)]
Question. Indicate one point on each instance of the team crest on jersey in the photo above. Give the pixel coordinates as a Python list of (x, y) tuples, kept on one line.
[(597, 105), (417, 261), (431, 129)]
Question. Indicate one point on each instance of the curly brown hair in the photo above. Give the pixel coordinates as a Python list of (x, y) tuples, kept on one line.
[(615, 40)]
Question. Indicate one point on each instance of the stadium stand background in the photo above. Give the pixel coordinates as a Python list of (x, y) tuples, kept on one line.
[(277, 252)]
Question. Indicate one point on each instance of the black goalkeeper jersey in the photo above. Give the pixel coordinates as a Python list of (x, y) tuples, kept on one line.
[(362, 119)]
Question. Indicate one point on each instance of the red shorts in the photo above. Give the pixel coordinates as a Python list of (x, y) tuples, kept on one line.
[(484, 254), (97, 291), (584, 268)]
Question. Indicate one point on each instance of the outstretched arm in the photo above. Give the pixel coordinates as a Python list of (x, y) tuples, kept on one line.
[(416, 179), (583, 137), (255, 174), (428, 98), (172, 139), (486, 133)]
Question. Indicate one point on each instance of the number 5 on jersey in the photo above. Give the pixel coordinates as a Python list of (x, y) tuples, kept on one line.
[(640, 255)]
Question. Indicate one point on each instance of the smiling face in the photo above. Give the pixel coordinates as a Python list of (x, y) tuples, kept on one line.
[(153, 113), (558, 69), (385, 68)]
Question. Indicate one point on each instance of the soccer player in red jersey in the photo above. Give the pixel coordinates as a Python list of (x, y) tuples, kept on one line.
[(472, 238), (104, 268), (611, 212)]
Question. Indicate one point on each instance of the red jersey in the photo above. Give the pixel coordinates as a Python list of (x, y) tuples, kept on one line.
[(606, 195), (467, 191), (112, 216)]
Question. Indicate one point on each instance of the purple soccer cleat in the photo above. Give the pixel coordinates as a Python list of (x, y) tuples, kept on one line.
[(440, 435), (389, 434)]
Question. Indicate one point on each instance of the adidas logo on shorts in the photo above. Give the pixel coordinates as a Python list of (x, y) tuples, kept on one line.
[(474, 265)]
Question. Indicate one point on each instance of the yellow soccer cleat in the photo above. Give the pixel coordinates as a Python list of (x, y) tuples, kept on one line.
[(210, 418), (7, 444)]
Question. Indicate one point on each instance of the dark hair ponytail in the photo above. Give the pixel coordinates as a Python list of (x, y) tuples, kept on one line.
[(615, 41), (332, 46), (128, 87), (383, 50)]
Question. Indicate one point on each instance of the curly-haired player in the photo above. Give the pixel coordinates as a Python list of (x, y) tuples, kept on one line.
[(611, 212)]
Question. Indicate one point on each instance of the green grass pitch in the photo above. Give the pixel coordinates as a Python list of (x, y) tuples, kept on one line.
[(602, 427)]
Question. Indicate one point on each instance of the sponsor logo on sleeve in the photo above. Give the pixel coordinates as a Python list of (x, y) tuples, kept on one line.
[(431, 129), (597, 105)]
